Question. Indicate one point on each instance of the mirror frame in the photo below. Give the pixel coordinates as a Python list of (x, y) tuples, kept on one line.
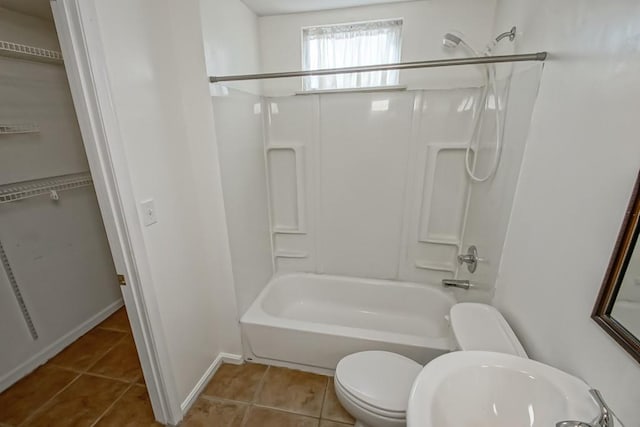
[(627, 238)]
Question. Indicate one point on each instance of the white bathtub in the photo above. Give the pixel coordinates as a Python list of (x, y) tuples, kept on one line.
[(314, 320)]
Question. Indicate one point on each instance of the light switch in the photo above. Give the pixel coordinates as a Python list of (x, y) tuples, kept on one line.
[(148, 212)]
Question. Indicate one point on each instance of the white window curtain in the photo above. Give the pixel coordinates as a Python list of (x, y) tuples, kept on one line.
[(351, 45)]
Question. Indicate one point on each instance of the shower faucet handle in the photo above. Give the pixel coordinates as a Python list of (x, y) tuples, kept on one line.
[(471, 258)]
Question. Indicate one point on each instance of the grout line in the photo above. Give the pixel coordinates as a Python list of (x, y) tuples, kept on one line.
[(260, 385), (222, 400), (112, 405), (94, 374), (245, 418), (253, 402), (285, 410), (106, 377), (324, 397), (79, 373), (44, 405), (99, 358)]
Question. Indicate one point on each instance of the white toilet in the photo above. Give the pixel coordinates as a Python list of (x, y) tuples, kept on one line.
[(374, 386)]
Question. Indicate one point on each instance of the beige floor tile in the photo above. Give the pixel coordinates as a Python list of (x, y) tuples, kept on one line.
[(293, 391), (118, 321), (236, 382), (121, 362), (264, 417), (80, 404), (327, 423), (88, 349), (207, 413), (332, 409), (30, 393), (131, 410)]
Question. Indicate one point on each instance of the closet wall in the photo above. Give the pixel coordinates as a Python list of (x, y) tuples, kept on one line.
[(56, 250)]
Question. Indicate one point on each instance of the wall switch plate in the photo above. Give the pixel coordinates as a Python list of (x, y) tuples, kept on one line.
[(148, 210)]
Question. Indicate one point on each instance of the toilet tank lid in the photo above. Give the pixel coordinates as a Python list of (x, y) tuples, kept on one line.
[(482, 327)]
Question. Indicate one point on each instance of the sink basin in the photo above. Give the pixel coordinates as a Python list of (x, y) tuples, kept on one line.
[(485, 389)]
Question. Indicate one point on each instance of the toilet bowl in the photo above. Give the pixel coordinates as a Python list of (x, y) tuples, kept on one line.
[(374, 386)]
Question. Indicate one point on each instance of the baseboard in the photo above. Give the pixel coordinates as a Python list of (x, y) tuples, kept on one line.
[(292, 365), (235, 359), (56, 347)]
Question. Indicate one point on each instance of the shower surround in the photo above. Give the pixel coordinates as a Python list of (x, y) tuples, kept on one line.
[(364, 191)]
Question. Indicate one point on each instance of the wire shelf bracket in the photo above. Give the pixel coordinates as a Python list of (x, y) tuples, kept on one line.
[(18, 128), (17, 292), (32, 53), (51, 186)]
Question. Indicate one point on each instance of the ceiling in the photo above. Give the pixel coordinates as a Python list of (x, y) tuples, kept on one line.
[(39, 8), (277, 7)]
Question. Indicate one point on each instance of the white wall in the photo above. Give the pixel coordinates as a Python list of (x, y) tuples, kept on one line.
[(240, 141), (58, 251), (230, 33), (626, 309), (158, 89), (490, 202), (580, 164), (425, 23)]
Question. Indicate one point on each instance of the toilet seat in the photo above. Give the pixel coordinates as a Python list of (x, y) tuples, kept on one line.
[(482, 327), (378, 412), (377, 381)]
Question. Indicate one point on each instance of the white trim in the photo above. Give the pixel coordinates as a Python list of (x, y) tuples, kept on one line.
[(57, 346), (345, 24), (235, 359), (77, 25), (291, 365)]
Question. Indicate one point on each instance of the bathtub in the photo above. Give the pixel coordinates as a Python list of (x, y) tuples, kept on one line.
[(312, 321)]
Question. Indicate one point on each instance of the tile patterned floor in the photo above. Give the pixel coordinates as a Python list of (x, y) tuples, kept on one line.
[(253, 395), (97, 381)]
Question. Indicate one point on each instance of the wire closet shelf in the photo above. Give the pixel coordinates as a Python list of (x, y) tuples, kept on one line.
[(538, 56), (31, 53), (51, 186)]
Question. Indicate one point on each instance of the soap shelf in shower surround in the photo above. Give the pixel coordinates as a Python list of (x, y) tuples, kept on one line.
[(18, 128), (449, 268), (290, 254), (32, 53), (51, 186)]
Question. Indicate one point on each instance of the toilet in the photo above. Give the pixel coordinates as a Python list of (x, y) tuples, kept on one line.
[(374, 386)]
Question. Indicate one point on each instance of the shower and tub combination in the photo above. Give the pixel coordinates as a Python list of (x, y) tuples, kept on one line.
[(369, 198)]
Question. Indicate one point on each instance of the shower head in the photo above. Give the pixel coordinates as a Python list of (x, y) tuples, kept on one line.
[(451, 40)]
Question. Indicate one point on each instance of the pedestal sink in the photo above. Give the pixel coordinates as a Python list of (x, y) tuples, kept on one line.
[(485, 389)]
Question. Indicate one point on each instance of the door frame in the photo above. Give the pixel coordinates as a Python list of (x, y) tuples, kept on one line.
[(86, 70)]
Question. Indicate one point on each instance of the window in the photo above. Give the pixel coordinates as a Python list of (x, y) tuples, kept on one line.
[(351, 45)]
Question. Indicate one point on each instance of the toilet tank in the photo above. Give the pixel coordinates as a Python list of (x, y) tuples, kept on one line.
[(482, 327)]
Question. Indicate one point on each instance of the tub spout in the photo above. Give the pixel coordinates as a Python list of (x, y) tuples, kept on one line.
[(454, 283)]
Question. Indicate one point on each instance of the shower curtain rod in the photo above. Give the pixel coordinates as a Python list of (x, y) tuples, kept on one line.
[(539, 56)]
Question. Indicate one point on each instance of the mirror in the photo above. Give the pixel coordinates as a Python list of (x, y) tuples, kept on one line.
[(617, 308)]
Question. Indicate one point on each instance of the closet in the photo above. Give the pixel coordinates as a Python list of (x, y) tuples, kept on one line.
[(57, 278)]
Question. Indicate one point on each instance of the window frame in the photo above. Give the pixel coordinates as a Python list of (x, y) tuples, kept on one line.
[(340, 24)]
